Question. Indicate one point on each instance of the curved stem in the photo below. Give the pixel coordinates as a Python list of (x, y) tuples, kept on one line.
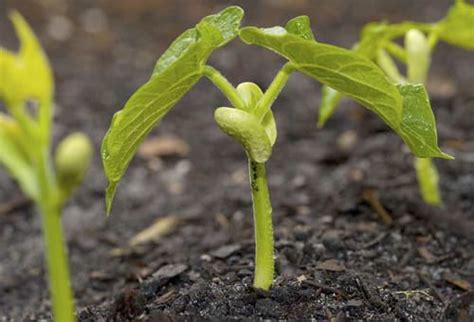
[(262, 209), (273, 91), (224, 86)]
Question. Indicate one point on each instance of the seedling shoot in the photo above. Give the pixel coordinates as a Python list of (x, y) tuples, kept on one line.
[(25, 151), (378, 43), (249, 119)]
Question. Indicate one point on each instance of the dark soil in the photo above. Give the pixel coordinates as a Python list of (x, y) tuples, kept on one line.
[(336, 259)]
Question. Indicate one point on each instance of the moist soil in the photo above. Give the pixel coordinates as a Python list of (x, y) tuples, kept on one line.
[(335, 257)]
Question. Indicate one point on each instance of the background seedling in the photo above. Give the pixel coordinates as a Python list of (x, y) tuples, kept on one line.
[(250, 120), (25, 145), (378, 44)]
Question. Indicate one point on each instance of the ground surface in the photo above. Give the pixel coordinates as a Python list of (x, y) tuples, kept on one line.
[(335, 258)]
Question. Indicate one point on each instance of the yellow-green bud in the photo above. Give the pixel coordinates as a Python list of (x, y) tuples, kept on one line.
[(245, 128), (72, 160), (418, 56), (250, 94)]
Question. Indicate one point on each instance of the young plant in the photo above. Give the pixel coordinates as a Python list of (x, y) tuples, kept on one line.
[(378, 44), (25, 145), (405, 108)]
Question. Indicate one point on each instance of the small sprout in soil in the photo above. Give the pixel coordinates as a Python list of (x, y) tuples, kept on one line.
[(378, 44), (249, 120), (25, 145)]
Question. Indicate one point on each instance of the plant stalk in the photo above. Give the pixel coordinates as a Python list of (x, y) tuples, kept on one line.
[(262, 210), (57, 263), (54, 243)]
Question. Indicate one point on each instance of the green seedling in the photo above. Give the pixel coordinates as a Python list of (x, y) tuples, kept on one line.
[(25, 145), (378, 43), (405, 108)]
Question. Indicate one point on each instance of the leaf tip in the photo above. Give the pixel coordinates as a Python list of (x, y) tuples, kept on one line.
[(109, 196), (446, 156)]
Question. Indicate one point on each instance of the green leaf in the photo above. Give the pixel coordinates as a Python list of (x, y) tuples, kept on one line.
[(28, 74), (175, 73), (245, 128), (360, 79), (339, 68), (376, 35), (300, 26), (330, 99), (458, 26), (14, 158), (418, 125)]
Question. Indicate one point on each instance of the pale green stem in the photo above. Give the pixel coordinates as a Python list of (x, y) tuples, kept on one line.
[(224, 86), (396, 51), (262, 210), (389, 67), (427, 175), (273, 91), (45, 121), (54, 243), (428, 180)]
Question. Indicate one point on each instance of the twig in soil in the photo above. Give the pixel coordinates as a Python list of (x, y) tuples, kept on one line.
[(372, 198), (15, 204), (327, 288), (407, 257), (373, 298), (374, 241), (428, 283)]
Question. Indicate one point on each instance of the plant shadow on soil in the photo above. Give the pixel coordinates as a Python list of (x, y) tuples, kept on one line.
[(335, 259)]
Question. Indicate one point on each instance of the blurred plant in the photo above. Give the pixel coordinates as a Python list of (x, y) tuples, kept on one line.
[(25, 145), (378, 44), (250, 121)]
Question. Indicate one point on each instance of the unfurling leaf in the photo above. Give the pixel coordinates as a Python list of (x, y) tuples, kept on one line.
[(26, 75), (177, 70), (458, 26), (359, 78), (245, 128)]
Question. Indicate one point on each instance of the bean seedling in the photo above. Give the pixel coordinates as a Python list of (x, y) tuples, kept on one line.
[(405, 108), (25, 145), (378, 44)]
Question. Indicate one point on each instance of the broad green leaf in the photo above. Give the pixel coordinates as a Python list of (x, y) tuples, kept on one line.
[(417, 126), (458, 26), (374, 37), (330, 99), (26, 75), (14, 158), (360, 79), (245, 128), (178, 69), (339, 68), (300, 26)]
